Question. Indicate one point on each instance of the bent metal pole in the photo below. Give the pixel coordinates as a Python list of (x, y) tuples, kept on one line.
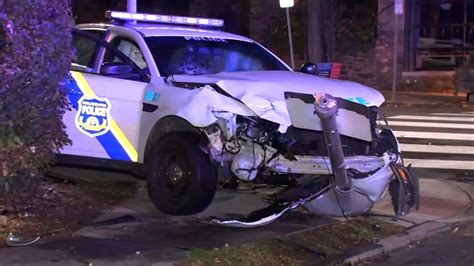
[(326, 109)]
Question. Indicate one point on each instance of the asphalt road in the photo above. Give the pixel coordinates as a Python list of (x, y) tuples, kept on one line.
[(455, 247)]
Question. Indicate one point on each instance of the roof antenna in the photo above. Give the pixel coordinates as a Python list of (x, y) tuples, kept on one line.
[(132, 8)]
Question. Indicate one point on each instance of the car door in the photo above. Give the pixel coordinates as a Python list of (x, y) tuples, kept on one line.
[(106, 100)]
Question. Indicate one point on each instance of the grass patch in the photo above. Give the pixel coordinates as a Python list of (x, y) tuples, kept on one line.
[(307, 247)]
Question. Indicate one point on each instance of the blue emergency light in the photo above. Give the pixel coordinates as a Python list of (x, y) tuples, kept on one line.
[(119, 15)]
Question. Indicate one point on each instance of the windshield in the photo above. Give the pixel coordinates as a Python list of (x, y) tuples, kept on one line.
[(202, 55)]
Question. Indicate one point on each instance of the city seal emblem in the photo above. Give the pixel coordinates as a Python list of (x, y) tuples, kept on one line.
[(93, 116)]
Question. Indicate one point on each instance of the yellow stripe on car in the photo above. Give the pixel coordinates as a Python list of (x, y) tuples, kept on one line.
[(114, 127)]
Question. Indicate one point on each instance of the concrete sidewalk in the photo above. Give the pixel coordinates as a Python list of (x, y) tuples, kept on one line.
[(441, 201), (143, 236)]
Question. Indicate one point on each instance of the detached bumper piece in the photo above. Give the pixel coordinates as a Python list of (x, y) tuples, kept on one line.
[(266, 215), (404, 190)]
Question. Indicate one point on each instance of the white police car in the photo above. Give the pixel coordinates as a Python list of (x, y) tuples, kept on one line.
[(184, 103)]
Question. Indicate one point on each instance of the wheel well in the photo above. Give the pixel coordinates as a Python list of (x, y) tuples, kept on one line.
[(167, 125)]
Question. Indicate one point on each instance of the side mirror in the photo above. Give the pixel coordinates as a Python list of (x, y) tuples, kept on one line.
[(309, 68), (120, 70)]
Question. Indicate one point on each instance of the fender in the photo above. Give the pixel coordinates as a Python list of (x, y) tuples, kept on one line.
[(165, 125)]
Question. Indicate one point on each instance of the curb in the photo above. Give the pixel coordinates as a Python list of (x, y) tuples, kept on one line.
[(394, 242)]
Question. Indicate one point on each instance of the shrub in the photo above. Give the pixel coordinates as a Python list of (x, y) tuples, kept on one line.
[(35, 55)]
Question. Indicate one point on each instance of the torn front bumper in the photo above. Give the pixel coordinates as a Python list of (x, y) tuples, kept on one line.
[(356, 182), (404, 189), (393, 177)]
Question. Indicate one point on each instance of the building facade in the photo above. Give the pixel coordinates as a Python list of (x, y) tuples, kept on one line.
[(435, 37)]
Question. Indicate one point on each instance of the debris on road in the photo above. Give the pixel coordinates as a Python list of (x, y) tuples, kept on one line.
[(117, 220), (15, 240)]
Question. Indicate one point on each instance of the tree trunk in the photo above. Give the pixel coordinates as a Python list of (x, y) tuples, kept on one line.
[(245, 17), (328, 16), (320, 32), (314, 34)]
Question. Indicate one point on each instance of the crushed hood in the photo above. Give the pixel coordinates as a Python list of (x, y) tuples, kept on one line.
[(263, 91)]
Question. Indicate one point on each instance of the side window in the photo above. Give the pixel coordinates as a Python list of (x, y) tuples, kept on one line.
[(85, 50), (88, 50), (128, 48)]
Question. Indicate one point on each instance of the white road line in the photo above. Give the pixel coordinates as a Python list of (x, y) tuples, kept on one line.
[(440, 164), (435, 125), (453, 114), (431, 118), (433, 135), (437, 148)]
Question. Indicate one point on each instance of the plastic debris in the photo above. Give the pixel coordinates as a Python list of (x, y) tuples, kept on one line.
[(375, 227), (117, 220), (13, 240), (27, 215)]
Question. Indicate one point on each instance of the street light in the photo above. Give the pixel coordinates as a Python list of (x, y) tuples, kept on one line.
[(287, 4)]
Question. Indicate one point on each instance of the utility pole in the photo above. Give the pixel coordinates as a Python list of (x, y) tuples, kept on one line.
[(290, 38), (132, 6), (287, 4), (464, 34), (398, 10)]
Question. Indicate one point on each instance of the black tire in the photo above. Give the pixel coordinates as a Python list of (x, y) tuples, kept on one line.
[(180, 177)]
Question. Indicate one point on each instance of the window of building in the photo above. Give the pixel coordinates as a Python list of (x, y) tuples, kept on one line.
[(441, 33)]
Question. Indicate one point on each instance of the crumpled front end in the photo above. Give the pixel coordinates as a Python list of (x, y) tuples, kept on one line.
[(333, 159)]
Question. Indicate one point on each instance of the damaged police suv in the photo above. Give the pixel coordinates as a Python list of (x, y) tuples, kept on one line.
[(195, 107)]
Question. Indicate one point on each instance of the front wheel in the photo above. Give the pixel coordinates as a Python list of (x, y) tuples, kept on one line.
[(180, 177)]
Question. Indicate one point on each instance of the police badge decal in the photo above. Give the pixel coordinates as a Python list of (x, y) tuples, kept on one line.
[(93, 116)]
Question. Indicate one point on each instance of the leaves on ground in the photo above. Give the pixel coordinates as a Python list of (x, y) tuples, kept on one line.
[(59, 207)]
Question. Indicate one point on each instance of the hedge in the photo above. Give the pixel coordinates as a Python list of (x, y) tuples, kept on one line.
[(35, 55)]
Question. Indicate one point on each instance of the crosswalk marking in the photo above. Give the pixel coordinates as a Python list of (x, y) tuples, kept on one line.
[(414, 131), (440, 164), (427, 124), (431, 118), (445, 149), (434, 135), (453, 114)]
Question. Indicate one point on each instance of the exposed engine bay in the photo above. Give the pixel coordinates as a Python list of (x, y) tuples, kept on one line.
[(335, 160)]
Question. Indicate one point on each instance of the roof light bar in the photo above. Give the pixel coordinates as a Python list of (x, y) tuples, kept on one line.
[(119, 15)]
